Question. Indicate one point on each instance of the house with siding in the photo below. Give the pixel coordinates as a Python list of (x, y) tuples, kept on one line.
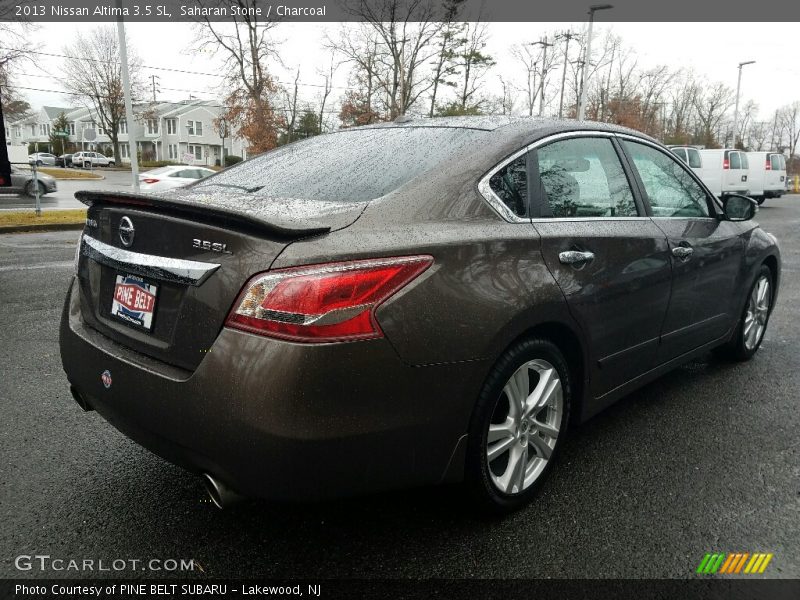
[(180, 132)]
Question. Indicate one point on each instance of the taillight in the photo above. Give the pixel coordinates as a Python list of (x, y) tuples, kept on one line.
[(323, 303), (726, 164), (151, 180), (769, 164)]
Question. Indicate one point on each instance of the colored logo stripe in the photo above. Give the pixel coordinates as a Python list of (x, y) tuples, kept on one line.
[(734, 563)]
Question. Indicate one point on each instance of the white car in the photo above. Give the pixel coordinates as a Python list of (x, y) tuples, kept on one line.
[(168, 178), (91, 159), (42, 158)]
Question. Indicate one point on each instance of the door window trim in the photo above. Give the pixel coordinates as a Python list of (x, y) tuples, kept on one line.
[(507, 214)]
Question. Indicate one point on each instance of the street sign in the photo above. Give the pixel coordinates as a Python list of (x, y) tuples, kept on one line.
[(61, 133), (89, 135)]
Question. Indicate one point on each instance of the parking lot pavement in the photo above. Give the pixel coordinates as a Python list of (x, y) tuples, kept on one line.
[(704, 459), (64, 196)]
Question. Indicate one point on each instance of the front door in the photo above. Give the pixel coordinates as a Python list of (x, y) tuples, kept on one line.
[(706, 252), (610, 260)]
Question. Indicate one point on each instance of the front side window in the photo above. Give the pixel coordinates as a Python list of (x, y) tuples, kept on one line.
[(583, 177), (670, 189), (510, 184)]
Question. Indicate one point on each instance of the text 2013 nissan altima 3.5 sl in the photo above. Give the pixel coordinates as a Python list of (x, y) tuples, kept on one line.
[(406, 304)]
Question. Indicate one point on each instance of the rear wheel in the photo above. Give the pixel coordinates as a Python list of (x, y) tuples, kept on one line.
[(518, 424), (753, 323)]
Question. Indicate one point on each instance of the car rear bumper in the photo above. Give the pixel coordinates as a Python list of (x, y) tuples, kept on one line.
[(280, 420)]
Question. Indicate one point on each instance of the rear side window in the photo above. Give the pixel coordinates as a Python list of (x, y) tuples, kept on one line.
[(583, 177), (510, 184), (350, 166), (671, 190), (694, 159)]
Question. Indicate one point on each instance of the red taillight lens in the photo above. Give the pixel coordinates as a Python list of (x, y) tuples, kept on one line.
[(151, 180), (726, 164), (768, 165), (323, 303)]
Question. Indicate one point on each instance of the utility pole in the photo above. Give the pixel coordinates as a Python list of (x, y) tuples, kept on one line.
[(544, 44), (155, 86), (588, 57), (126, 84), (736, 109), (565, 36)]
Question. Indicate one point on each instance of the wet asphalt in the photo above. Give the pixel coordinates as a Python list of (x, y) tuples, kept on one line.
[(705, 459)]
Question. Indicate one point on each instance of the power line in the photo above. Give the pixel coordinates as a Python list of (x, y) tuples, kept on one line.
[(170, 69)]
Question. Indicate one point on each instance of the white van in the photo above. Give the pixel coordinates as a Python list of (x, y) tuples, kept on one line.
[(767, 175), (725, 171), (691, 156)]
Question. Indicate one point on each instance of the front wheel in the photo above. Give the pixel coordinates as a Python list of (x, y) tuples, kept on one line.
[(518, 424), (753, 323), (31, 189)]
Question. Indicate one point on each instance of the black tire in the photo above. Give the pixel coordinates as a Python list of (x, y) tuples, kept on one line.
[(30, 189), (761, 200), (478, 476), (111, 163), (736, 349), (39, 163)]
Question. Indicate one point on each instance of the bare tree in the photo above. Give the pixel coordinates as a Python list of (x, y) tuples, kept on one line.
[(710, 105), (444, 61), (327, 88), (291, 108), (405, 31), (789, 119), (248, 47), (529, 57), (758, 135), (95, 79), (474, 63), (16, 49)]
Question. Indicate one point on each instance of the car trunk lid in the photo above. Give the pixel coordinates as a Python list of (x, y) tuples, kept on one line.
[(159, 274)]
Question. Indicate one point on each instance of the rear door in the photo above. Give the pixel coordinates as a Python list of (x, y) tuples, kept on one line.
[(734, 176), (609, 259), (706, 252)]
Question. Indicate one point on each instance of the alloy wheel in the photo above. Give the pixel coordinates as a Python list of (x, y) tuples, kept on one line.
[(524, 427), (755, 318)]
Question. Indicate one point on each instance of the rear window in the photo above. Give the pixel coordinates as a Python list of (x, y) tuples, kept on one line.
[(694, 159), (745, 162), (735, 160), (354, 166), (775, 162), (680, 153)]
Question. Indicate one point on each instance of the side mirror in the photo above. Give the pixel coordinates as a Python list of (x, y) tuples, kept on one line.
[(739, 208)]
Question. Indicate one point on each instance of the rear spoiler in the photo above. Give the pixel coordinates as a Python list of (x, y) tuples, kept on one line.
[(267, 222)]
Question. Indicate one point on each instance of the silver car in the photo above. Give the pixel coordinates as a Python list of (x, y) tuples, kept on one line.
[(22, 183), (42, 158)]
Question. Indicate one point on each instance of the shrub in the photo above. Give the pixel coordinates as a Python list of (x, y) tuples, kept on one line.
[(232, 159)]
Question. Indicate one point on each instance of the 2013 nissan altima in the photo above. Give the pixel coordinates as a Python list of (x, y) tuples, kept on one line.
[(411, 303)]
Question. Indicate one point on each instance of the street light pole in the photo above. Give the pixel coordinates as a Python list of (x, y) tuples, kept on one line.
[(736, 108), (587, 57), (126, 85)]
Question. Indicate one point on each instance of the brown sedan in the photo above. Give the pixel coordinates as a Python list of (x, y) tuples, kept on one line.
[(411, 303)]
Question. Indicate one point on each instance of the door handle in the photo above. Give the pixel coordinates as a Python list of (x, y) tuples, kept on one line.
[(682, 252), (575, 257)]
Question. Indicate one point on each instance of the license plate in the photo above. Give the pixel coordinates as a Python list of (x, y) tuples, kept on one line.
[(134, 301)]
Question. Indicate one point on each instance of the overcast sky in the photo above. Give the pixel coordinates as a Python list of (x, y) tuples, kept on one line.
[(712, 50)]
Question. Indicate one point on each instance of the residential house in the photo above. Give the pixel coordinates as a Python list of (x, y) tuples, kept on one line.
[(180, 132)]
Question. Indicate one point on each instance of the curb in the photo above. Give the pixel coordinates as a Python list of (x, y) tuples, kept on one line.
[(101, 178), (42, 227)]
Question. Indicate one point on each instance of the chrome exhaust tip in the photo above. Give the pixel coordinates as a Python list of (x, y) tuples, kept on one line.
[(220, 494), (80, 400)]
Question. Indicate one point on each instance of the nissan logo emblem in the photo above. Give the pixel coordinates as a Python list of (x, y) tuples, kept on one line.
[(126, 231)]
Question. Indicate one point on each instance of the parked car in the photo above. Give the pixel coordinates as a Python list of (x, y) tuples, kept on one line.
[(65, 160), (171, 177), (42, 158), (91, 159), (22, 182), (767, 175), (406, 304)]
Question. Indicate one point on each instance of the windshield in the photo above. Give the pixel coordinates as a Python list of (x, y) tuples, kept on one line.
[(350, 166)]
